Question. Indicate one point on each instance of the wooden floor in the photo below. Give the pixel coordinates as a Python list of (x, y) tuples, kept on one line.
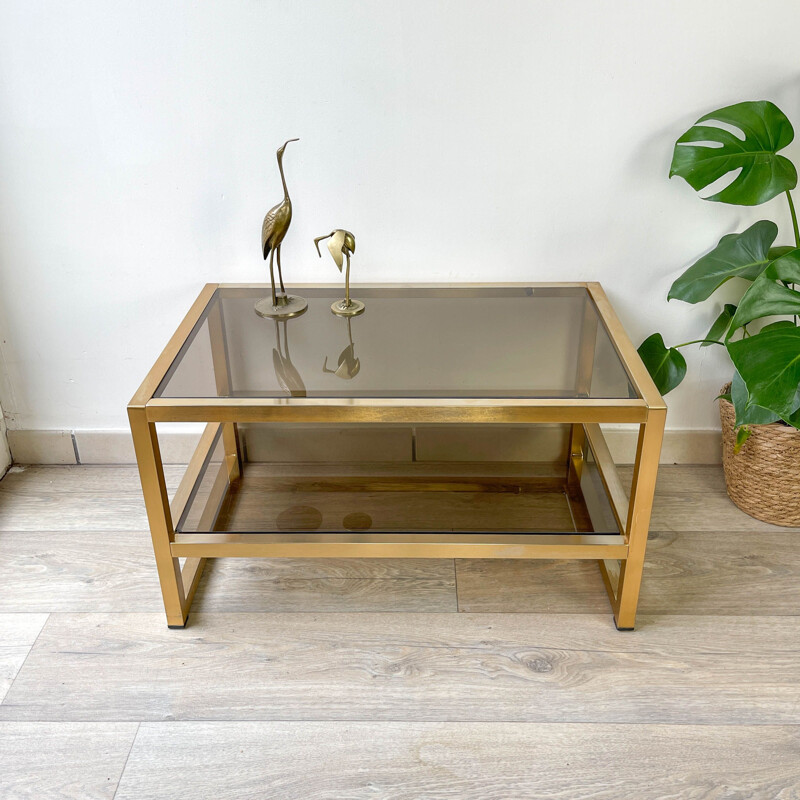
[(393, 679)]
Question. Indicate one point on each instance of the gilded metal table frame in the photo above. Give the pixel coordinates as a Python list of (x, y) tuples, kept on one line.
[(620, 557)]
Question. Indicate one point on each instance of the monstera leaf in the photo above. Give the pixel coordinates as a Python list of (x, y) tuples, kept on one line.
[(765, 298), (787, 266), (769, 364), (720, 326), (764, 174), (769, 295), (666, 365), (781, 250), (748, 414), (738, 255)]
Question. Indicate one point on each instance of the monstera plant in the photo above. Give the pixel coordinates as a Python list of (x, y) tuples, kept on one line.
[(760, 332)]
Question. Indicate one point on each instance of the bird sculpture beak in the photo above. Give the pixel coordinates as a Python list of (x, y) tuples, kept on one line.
[(283, 146), (319, 239)]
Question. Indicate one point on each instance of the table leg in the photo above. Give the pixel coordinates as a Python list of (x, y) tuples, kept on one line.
[(643, 487), (151, 473)]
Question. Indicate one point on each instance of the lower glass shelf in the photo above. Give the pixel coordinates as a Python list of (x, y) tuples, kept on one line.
[(380, 498)]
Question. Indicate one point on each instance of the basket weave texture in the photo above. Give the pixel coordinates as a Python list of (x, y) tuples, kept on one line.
[(763, 478)]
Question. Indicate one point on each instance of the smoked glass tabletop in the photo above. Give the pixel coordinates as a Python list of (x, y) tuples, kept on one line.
[(492, 343)]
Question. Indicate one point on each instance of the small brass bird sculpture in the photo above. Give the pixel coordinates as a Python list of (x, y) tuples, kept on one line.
[(273, 231), (342, 244)]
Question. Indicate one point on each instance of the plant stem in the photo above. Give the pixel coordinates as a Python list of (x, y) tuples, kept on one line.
[(794, 219), (698, 341), (796, 233)]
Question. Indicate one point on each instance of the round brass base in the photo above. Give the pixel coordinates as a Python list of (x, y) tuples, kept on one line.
[(355, 308), (286, 306)]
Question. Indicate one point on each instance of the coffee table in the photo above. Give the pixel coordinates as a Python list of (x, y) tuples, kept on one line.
[(478, 362)]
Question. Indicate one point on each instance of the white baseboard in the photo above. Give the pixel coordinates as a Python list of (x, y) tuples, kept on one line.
[(679, 447), (42, 447), (116, 447), (93, 447)]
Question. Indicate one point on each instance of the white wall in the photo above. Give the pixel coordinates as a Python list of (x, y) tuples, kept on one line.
[(460, 140)]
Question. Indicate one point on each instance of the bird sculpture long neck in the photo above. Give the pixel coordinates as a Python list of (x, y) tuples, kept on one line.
[(283, 179)]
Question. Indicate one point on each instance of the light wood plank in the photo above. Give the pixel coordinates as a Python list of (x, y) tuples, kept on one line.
[(51, 512), (729, 572), (488, 585), (472, 761), (378, 569), (468, 667), (81, 480), (272, 585), (687, 511), (694, 499), (18, 632), (76, 498), (78, 571), (726, 572), (75, 760), (694, 479), (113, 571)]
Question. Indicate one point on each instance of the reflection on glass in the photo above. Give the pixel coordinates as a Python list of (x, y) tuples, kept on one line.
[(286, 373), (348, 365)]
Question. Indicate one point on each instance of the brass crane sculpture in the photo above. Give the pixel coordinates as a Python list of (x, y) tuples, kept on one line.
[(273, 231), (342, 243)]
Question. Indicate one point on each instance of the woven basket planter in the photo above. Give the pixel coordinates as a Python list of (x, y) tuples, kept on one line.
[(763, 478)]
